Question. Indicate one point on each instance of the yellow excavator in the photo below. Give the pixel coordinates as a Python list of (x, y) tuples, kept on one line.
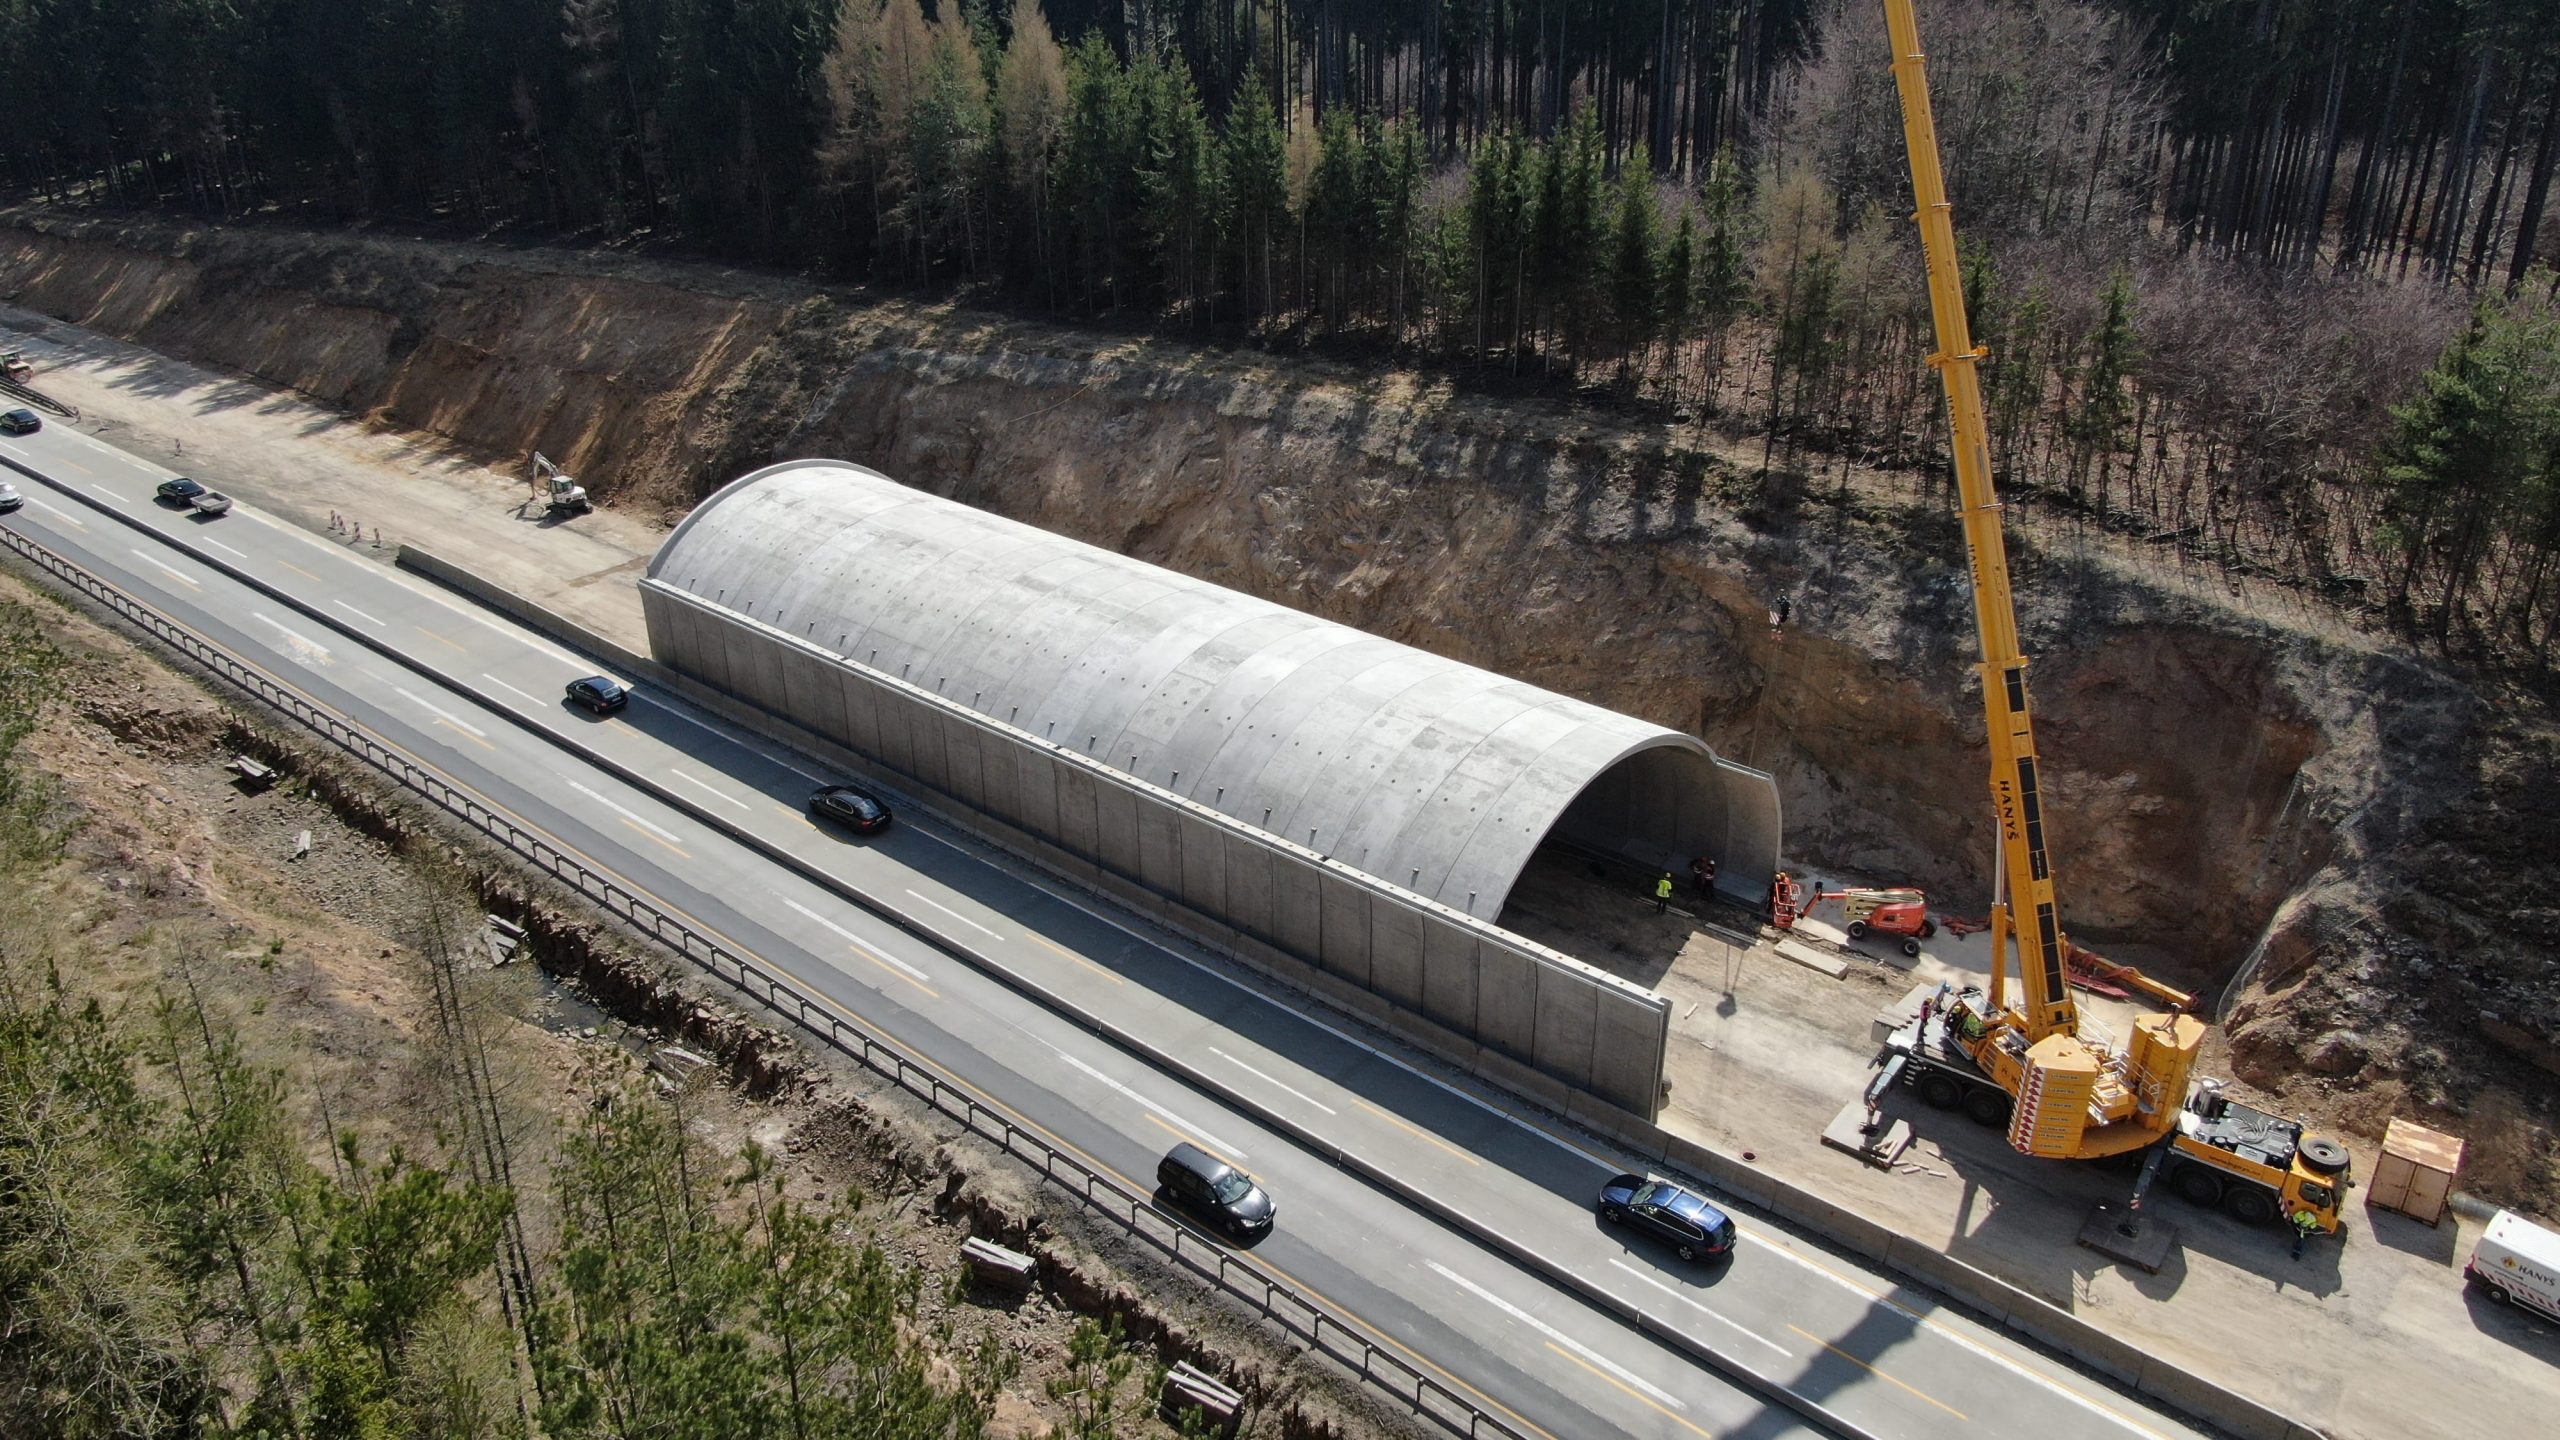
[(2063, 1089)]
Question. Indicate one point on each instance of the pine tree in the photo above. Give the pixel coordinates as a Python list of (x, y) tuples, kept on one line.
[(1030, 118), (2104, 409), (1635, 273), (1255, 163), (1723, 285)]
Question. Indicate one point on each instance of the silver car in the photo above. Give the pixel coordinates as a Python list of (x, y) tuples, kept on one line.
[(10, 499)]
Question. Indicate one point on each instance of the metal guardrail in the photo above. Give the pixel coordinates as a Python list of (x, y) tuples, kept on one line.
[(1319, 1325), (33, 396)]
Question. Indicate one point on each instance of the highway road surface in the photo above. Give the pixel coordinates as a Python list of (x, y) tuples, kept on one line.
[(709, 824)]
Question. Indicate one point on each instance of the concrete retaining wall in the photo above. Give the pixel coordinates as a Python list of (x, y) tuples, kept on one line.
[(1985, 1296), (1526, 1017)]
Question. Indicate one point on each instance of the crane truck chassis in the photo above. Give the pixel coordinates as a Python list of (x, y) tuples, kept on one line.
[(2258, 1166)]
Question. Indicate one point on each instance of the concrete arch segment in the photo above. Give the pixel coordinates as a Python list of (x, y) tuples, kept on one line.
[(1428, 774)]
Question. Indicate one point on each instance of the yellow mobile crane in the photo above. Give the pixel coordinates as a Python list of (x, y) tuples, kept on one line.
[(2064, 1092)]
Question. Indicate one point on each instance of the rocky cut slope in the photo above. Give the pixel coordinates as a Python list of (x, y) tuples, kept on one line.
[(2251, 793)]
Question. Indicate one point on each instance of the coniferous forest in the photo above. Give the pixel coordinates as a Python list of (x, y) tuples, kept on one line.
[(2263, 279)]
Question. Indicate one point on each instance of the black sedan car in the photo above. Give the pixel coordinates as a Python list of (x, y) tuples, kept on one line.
[(1217, 1191), (1694, 1228), (851, 806), (21, 422), (599, 693), (180, 490)]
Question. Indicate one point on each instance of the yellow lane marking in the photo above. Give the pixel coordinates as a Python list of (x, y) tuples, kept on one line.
[(430, 634), (1058, 949), (643, 893), (639, 829), (1415, 1130), (1632, 1393), (298, 570), (865, 952), (458, 729), (1870, 1369)]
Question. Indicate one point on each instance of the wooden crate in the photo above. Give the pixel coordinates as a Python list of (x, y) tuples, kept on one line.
[(2415, 1176)]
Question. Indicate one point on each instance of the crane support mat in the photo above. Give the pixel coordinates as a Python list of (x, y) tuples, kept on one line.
[(1812, 959), (1848, 1132), (2146, 1248)]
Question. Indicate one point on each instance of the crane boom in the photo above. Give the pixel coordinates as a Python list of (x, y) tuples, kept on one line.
[(2016, 799), (2070, 1097)]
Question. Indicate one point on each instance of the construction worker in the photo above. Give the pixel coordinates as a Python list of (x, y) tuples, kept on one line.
[(1662, 894), (2305, 1225), (1703, 870)]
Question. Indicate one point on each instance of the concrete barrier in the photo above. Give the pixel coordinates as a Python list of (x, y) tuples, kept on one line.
[(1922, 1263), (1582, 1026), (2028, 1316)]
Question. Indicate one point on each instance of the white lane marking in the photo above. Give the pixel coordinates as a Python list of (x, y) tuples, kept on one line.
[(58, 513), (1938, 1327), (2049, 1382), (870, 951), (1269, 1080), (1701, 1309), (104, 491), (1558, 1336), (155, 563), (672, 713), (661, 831), (350, 609), (304, 647), (1158, 944), (458, 724), (723, 795), (1225, 1150), (225, 549), (503, 685), (956, 915)]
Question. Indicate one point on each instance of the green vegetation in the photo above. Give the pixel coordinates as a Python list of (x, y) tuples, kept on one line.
[(191, 1244), (2214, 243)]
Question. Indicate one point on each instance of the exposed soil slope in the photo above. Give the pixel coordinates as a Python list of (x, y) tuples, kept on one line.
[(2246, 786)]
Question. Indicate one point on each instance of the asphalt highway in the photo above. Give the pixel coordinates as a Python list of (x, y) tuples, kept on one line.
[(701, 819)]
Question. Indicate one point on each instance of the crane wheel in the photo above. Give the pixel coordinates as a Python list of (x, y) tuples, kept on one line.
[(1928, 929), (2250, 1205), (1857, 929), (2198, 1187), (1911, 947), (1987, 1108), (2321, 1153), (1941, 1091)]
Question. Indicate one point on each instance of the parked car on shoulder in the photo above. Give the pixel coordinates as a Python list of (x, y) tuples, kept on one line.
[(852, 806), (213, 502), (21, 422), (179, 490), (1695, 1229), (1216, 1191), (10, 499), (599, 693)]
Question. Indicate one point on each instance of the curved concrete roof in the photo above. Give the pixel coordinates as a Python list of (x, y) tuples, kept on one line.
[(1430, 774)]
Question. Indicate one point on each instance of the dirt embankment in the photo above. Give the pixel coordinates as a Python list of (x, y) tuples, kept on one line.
[(2242, 783)]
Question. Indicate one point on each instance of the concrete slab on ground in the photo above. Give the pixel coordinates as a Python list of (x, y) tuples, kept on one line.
[(2137, 1238), (1877, 1143), (1812, 959)]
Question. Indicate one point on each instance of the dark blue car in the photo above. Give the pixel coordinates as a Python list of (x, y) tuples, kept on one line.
[(598, 693), (1682, 1218)]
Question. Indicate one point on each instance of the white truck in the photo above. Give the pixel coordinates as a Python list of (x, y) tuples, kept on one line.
[(2518, 1263)]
